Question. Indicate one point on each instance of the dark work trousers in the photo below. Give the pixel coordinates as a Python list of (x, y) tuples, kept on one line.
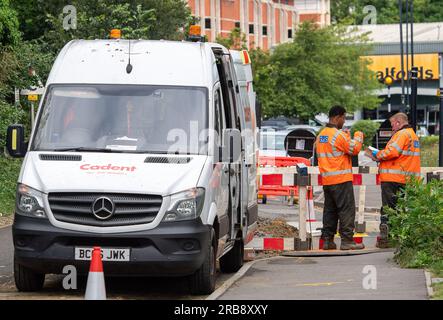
[(389, 197), (339, 209)]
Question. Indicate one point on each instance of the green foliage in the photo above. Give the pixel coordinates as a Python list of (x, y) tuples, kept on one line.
[(236, 40), (351, 11), (369, 129), (9, 115), (9, 32), (417, 225), (8, 182), (138, 19), (320, 68), (429, 141), (260, 59), (429, 151)]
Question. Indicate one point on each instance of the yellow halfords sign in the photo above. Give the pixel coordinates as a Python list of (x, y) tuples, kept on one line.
[(383, 66)]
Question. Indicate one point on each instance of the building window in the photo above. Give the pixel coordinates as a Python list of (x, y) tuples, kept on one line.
[(251, 29), (208, 23), (290, 33), (265, 30), (237, 24)]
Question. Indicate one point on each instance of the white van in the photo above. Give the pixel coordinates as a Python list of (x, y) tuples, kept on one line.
[(129, 153)]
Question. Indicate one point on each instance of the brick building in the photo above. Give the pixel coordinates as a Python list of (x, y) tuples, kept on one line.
[(265, 22)]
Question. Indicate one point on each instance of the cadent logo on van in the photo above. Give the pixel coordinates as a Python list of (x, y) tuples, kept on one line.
[(107, 168)]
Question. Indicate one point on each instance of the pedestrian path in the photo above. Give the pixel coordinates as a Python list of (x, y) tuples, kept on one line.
[(364, 277)]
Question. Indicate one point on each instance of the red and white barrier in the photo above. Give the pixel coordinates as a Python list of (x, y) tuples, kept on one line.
[(278, 244), (362, 177)]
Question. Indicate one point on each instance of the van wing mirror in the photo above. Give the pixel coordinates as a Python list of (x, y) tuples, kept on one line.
[(15, 141), (231, 150)]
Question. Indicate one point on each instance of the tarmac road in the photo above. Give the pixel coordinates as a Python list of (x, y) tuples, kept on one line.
[(117, 288)]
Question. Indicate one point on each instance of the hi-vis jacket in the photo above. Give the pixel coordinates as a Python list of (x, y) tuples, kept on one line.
[(334, 149), (401, 157)]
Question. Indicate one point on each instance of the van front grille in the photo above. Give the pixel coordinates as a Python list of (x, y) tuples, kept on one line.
[(129, 209)]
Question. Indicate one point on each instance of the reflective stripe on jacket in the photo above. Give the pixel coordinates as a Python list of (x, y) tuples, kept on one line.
[(400, 160), (334, 149)]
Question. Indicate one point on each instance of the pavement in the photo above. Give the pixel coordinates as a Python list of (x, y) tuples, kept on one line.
[(363, 277)]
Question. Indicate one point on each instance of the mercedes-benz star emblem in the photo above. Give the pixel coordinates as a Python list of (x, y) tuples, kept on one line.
[(103, 208)]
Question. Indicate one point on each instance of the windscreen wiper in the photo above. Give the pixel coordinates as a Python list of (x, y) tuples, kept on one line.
[(86, 149)]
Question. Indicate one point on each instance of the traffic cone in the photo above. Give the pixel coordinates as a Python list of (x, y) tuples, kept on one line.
[(95, 287)]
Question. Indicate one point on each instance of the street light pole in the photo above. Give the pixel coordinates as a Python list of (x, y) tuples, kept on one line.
[(389, 99), (400, 7), (440, 130), (388, 81), (414, 82)]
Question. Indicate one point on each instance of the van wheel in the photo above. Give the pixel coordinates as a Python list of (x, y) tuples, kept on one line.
[(27, 280), (233, 260), (203, 280)]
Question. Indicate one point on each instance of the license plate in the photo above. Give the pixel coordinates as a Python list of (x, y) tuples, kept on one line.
[(108, 254)]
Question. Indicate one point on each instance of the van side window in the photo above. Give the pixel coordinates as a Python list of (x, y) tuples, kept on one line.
[(232, 87), (217, 115), (228, 87)]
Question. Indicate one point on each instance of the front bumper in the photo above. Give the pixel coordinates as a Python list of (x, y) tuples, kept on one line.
[(171, 249)]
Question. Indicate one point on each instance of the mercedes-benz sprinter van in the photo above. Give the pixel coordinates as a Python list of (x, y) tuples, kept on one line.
[(142, 148)]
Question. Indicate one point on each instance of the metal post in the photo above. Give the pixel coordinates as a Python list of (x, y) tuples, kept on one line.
[(408, 81), (303, 207), (32, 115), (412, 32), (440, 133), (400, 7), (389, 99), (361, 225), (414, 80)]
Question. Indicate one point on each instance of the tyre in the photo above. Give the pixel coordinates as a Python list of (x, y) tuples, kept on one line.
[(203, 280), (233, 260), (27, 280)]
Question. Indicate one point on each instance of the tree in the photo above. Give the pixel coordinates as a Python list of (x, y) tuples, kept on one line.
[(320, 68), (351, 11), (9, 34), (235, 40), (42, 23)]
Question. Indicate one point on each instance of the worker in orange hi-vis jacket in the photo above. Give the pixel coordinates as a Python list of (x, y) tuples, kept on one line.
[(334, 149), (399, 162)]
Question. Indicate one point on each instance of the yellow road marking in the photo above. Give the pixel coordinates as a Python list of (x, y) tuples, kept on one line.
[(318, 284)]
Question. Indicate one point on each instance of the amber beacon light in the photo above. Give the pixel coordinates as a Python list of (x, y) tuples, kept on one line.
[(115, 34)]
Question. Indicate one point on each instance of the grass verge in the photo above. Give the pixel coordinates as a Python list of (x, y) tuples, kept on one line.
[(9, 172)]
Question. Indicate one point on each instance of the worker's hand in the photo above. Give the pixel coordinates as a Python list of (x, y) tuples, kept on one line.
[(370, 154)]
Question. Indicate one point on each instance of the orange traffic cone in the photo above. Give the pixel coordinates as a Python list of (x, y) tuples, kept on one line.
[(95, 287)]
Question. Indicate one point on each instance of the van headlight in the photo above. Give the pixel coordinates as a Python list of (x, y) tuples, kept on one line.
[(29, 202), (186, 205)]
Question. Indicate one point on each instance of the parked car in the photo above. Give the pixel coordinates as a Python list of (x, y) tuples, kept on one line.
[(272, 143), (422, 132)]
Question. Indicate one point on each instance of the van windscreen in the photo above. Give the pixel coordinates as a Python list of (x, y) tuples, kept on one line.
[(123, 118)]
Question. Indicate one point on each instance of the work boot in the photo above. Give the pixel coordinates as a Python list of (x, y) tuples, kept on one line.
[(382, 240), (351, 245), (329, 244)]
